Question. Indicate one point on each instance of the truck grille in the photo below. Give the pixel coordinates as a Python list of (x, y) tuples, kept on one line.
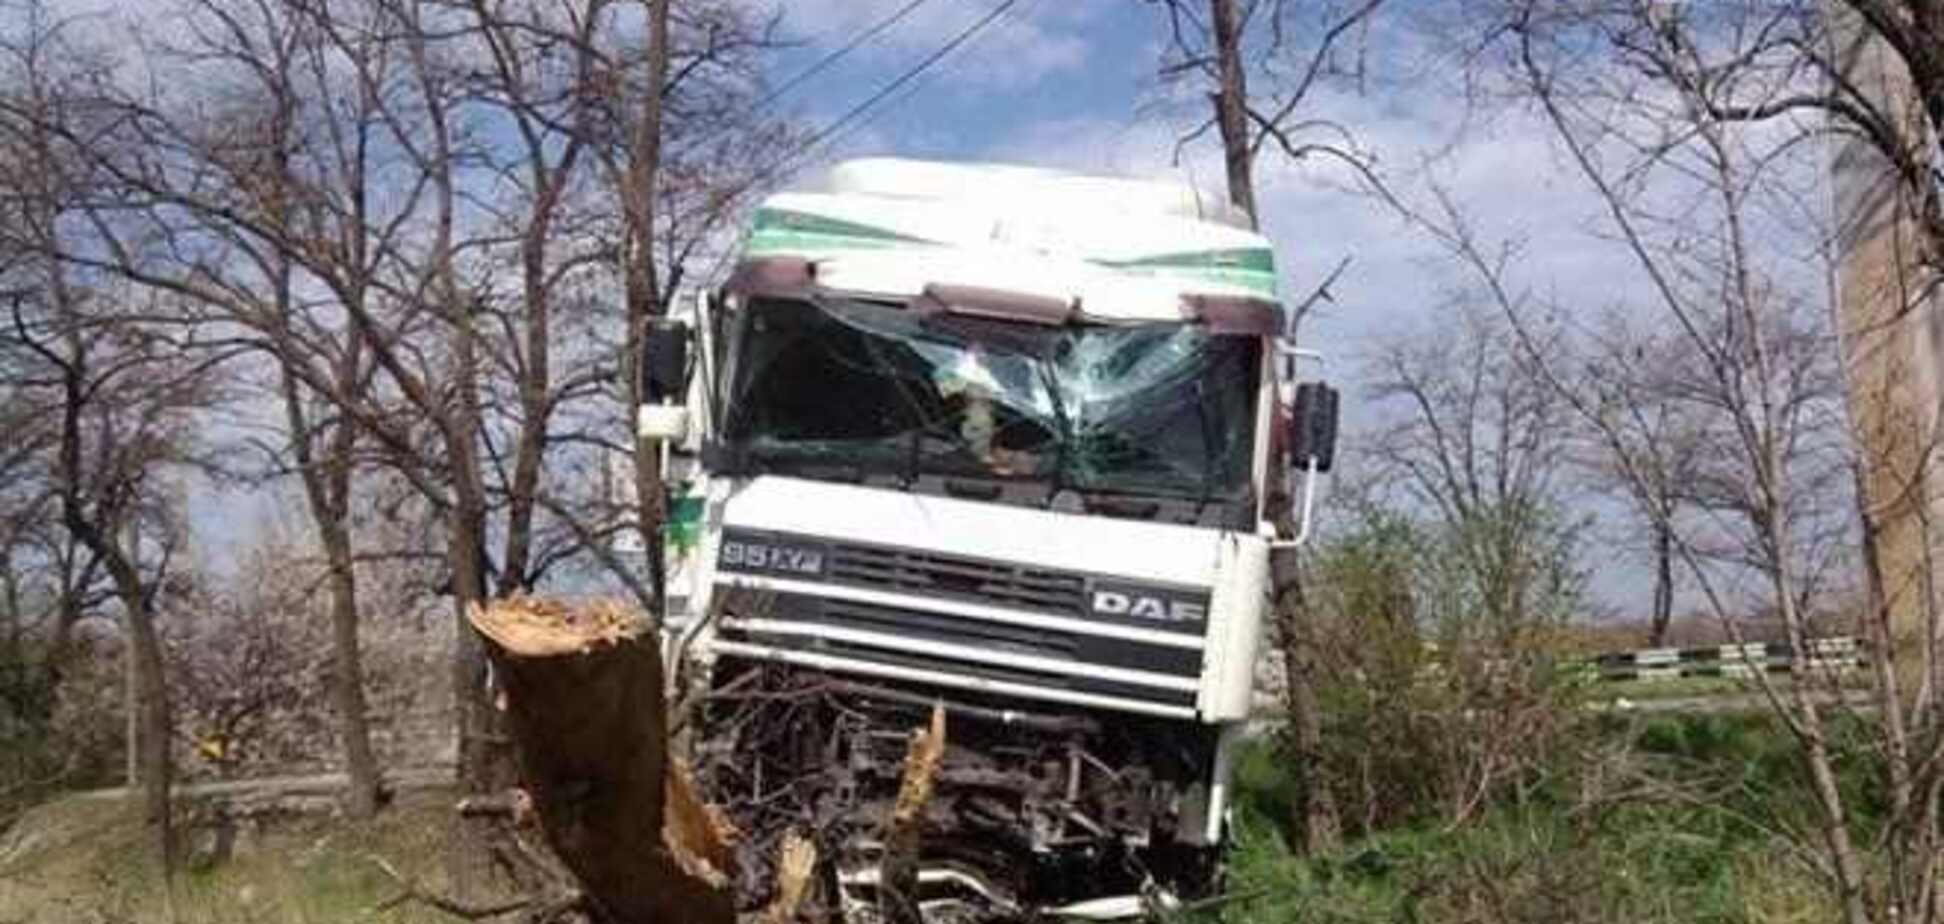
[(993, 636), (1076, 647), (956, 577), (1005, 653)]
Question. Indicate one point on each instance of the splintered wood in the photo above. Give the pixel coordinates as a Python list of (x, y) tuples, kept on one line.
[(926, 751), (582, 689), (584, 700), (696, 833), (899, 866), (794, 863), (536, 628)]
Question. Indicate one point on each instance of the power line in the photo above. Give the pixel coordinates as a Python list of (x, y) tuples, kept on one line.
[(909, 75), (917, 86), (839, 54), (834, 131)]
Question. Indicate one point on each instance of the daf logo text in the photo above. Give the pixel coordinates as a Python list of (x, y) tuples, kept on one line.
[(1141, 605)]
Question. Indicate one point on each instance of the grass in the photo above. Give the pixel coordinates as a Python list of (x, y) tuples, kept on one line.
[(1710, 856), (1699, 687), (1524, 867), (80, 861), (1552, 859)]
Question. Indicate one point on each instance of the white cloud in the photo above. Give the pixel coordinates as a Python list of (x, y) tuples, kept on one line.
[(1506, 175)]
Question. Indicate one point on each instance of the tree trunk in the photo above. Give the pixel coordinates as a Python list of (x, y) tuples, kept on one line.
[(327, 492), (1231, 106), (93, 527), (485, 761), (154, 760), (347, 682), (1315, 822), (645, 298), (586, 711), (1663, 585), (327, 487), (157, 769), (484, 769), (1807, 721)]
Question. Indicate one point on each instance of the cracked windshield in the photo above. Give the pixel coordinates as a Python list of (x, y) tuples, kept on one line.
[(1161, 409)]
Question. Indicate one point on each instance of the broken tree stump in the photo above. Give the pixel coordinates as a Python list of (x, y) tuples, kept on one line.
[(583, 693)]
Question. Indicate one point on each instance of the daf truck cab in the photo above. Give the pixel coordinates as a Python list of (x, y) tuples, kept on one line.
[(1005, 441)]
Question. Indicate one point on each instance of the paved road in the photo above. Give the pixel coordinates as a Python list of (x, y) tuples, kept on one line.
[(313, 784)]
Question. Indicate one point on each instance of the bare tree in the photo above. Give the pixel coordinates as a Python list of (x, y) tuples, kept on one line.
[(123, 413), (120, 397), (1624, 371), (320, 445), (687, 153), (249, 651), (225, 222), (1213, 44), (1802, 56), (1477, 442), (1868, 73), (1747, 348), (1291, 49), (397, 164), (639, 184)]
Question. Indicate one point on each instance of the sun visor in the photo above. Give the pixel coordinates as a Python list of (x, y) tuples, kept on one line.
[(1004, 304), (1234, 315), (779, 276)]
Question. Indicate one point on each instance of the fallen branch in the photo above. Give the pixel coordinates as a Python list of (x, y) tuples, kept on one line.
[(411, 891)]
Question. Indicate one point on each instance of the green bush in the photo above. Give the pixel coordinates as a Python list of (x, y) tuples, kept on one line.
[(1437, 675)]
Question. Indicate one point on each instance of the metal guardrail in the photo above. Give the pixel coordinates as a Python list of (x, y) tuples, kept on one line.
[(1827, 656)]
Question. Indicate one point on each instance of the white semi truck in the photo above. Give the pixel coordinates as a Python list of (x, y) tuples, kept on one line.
[(1002, 439)]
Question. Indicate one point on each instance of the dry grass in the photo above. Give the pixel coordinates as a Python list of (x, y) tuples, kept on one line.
[(80, 861)]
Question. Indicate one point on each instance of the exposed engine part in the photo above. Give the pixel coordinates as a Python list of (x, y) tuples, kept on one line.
[(946, 894), (1033, 811)]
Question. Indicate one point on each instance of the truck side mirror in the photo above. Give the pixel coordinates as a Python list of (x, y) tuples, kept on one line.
[(663, 414), (1313, 427), (665, 362)]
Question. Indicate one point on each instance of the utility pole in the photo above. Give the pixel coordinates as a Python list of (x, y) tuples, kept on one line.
[(132, 700), (1892, 333)]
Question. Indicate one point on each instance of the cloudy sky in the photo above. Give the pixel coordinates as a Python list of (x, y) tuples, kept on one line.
[(1073, 84)]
